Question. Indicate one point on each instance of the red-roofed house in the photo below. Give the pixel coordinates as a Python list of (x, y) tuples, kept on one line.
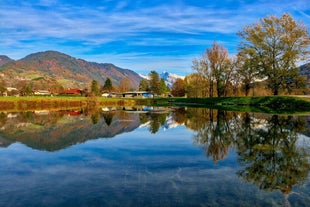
[(72, 91)]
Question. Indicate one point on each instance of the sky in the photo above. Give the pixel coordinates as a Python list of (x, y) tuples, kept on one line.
[(141, 35)]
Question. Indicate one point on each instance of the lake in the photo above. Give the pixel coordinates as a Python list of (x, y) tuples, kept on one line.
[(153, 157)]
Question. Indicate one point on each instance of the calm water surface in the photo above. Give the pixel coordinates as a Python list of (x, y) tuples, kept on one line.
[(171, 157)]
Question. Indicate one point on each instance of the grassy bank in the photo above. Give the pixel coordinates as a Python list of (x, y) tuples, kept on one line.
[(266, 104), (62, 103)]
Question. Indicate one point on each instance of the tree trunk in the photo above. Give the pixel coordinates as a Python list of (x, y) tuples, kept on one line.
[(247, 89), (275, 91), (211, 89)]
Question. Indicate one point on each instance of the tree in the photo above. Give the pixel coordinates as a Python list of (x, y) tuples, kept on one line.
[(162, 87), (215, 66), (2, 88), (201, 66), (154, 82), (108, 117), (144, 85), (107, 85), (94, 88), (178, 88), (196, 85), (156, 121), (278, 43), (298, 83), (246, 69), (26, 90), (271, 158), (124, 85), (219, 64)]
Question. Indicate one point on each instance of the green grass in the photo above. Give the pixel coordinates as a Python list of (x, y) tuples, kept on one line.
[(60, 102), (266, 104)]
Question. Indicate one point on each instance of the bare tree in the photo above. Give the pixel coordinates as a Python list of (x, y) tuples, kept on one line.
[(215, 66), (124, 85)]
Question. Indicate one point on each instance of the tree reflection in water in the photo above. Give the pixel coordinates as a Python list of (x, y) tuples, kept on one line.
[(270, 156), (266, 145), (108, 117), (214, 134), (156, 121)]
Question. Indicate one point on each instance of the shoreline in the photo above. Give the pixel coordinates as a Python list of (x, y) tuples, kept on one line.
[(264, 104)]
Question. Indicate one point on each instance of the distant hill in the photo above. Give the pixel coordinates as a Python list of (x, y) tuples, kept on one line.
[(66, 70), (4, 60), (305, 71)]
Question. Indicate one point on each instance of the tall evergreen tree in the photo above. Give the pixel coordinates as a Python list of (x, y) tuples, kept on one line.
[(107, 85), (162, 87), (144, 85), (154, 82)]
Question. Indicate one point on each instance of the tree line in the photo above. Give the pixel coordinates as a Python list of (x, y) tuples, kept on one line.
[(96, 90), (267, 58)]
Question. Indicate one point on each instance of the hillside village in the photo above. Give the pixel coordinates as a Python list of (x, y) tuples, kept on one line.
[(53, 73)]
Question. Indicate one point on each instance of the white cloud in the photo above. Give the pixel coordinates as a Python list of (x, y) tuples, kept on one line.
[(90, 24), (78, 29), (87, 24)]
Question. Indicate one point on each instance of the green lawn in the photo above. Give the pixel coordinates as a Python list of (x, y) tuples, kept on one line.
[(266, 104)]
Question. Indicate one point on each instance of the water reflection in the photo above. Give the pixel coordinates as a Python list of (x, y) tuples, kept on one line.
[(57, 130), (216, 136), (268, 147), (270, 154)]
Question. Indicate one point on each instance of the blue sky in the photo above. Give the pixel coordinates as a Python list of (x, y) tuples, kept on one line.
[(134, 34)]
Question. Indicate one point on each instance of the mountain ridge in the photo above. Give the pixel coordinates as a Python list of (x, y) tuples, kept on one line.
[(5, 59), (67, 70), (305, 71)]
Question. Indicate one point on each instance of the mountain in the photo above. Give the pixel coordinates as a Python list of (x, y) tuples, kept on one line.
[(4, 60), (305, 71), (56, 130), (169, 78), (66, 70)]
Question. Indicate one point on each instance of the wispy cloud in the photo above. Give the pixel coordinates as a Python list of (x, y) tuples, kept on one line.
[(127, 26), (88, 23)]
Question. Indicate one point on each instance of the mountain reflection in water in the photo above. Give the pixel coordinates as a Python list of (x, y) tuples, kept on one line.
[(272, 150)]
